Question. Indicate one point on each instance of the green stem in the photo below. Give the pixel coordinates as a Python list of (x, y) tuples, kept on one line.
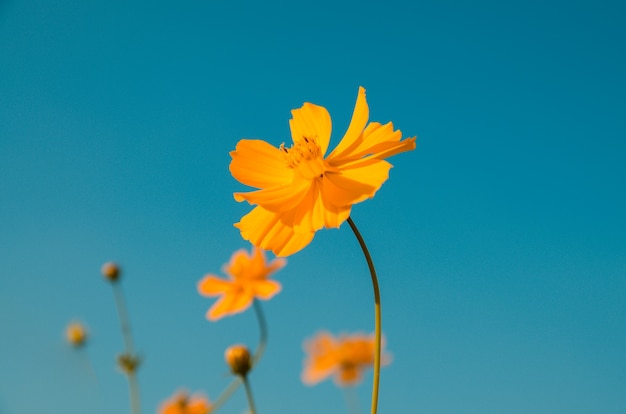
[(377, 315), (234, 384), (124, 319), (133, 384), (352, 401), (246, 384), (260, 349)]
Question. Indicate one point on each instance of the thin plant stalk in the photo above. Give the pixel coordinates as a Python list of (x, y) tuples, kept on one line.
[(260, 349), (258, 352), (124, 319), (377, 315), (86, 362), (246, 384), (352, 401), (133, 384)]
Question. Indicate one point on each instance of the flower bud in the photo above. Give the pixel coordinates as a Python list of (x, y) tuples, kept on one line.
[(76, 334), (128, 363), (238, 359), (111, 271)]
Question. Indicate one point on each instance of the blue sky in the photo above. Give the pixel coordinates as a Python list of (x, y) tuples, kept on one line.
[(499, 242)]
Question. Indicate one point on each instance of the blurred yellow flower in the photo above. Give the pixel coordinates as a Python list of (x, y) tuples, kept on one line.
[(300, 191), (248, 279), (345, 358), (182, 403), (76, 334)]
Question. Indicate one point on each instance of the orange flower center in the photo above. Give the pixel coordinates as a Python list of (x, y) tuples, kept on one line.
[(181, 402), (305, 156)]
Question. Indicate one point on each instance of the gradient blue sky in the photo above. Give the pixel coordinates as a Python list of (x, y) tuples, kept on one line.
[(500, 241)]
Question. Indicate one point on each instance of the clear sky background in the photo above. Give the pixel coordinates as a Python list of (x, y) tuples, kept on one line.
[(500, 241)]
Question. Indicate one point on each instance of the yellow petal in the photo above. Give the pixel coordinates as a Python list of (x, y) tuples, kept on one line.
[(348, 375), (321, 359), (265, 229), (335, 215), (377, 142), (357, 123), (353, 185), (278, 199), (308, 216), (212, 286), (238, 264), (230, 304), (311, 121), (266, 289), (258, 164)]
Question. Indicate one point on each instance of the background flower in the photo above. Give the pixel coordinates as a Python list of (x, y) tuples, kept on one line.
[(345, 358), (76, 334), (247, 279), (183, 403)]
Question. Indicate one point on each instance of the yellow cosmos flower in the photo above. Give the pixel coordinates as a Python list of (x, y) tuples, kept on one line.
[(302, 191), (182, 403), (345, 358), (248, 279)]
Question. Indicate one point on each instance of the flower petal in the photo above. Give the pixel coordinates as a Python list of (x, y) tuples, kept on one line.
[(353, 185), (230, 304), (266, 289), (335, 215), (237, 264), (267, 230), (311, 121), (258, 260), (357, 123), (321, 361), (213, 286), (278, 199), (198, 405), (308, 216), (348, 375), (256, 163), (378, 142)]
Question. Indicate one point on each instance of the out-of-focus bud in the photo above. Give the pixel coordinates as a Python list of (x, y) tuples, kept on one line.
[(128, 363), (76, 334), (111, 271), (238, 359)]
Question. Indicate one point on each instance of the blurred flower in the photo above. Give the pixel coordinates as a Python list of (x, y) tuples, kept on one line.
[(248, 279), (344, 358), (76, 334), (182, 403), (111, 271), (238, 359), (300, 191)]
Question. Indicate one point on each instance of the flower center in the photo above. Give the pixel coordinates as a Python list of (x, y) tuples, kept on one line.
[(305, 157)]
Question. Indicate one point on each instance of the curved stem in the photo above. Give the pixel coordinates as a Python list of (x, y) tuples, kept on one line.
[(225, 395), (260, 349), (246, 384), (377, 315)]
